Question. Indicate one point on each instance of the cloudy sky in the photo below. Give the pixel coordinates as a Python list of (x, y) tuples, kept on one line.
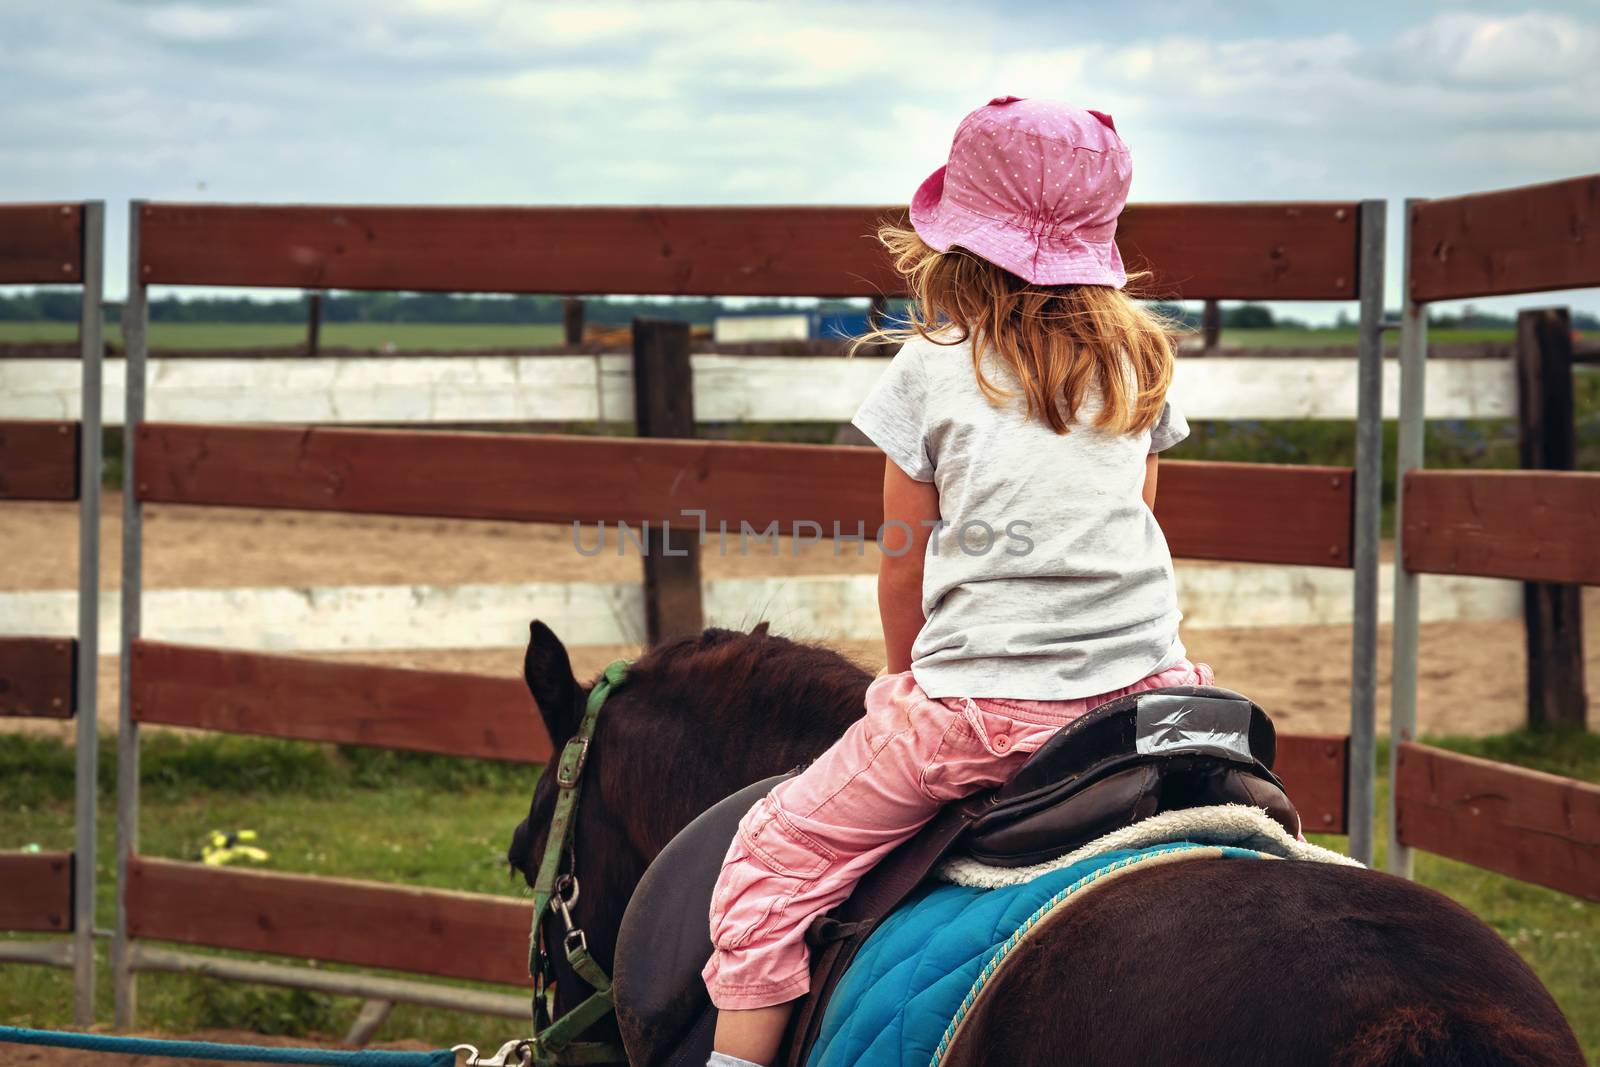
[(471, 101)]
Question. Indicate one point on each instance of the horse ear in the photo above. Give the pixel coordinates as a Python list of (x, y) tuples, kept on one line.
[(547, 670), (761, 628)]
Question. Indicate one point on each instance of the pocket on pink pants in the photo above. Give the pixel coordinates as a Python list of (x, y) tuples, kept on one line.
[(769, 862)]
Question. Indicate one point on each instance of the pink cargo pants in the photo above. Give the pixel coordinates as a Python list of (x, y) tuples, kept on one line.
[(802, 848)]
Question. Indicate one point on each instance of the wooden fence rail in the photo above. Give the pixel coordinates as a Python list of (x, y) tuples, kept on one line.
[(42, 244), (1227, 511), (1530, 826), (38, 459), (444, 712), (1274, 251), (37, 893), (336, 920), (38, 677), (1532, 239), (1539, 526), (1315, 772)]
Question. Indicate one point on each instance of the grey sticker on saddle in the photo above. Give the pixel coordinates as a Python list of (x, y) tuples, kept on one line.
[(1170, 724)]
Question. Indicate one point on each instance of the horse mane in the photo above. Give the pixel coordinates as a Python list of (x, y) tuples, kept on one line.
[(727, 671), (721, 709)]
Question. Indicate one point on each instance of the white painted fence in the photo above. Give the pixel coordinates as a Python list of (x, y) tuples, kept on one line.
[(835, 608), (728, 388)]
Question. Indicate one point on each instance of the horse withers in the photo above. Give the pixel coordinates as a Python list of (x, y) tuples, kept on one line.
[(1209, 961)]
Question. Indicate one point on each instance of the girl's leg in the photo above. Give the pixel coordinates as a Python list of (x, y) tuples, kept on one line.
[(802, 848), (752, 1035)]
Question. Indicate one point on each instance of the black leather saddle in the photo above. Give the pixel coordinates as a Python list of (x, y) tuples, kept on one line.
[(663, 1010), (1131, 758)]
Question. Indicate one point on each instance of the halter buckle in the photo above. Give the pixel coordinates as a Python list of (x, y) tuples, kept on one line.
[(570, 769)]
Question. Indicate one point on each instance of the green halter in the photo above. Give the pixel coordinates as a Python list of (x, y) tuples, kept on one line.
[(554, 1039)]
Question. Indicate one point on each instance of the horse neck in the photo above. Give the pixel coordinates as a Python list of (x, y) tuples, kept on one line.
[(717, 756)]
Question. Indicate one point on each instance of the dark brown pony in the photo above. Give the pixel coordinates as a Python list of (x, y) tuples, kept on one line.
[(1207, 962)]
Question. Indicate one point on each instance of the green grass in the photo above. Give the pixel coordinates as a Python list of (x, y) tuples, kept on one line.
[(1346, 335), (404, 336), (432, 821), (356, 813)]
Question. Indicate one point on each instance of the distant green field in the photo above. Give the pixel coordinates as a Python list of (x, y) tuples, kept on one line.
[(414, 335), (404, 336), (1346, 335)]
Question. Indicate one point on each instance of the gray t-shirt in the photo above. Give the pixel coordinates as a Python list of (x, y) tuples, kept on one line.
[(1050, 579)]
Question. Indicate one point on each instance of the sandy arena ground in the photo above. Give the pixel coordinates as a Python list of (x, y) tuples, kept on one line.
[(1472, 672)]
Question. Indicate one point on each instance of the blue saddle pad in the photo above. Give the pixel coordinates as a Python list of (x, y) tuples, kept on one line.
[(925, 965)]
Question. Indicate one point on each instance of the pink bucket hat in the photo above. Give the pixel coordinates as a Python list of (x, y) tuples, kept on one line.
[(1034, 186)]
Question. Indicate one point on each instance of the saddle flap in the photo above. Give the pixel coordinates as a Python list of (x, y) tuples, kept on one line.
[(1011, 840), (663, 1010)]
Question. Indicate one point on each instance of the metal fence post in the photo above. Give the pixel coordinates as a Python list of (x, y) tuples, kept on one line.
[(1368, 529), (91, 354), (1408, 456), (134, 314)]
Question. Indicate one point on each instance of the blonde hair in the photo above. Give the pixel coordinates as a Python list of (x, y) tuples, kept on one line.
[(1060, 341)]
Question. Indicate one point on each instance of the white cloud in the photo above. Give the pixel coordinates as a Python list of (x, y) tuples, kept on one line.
[(197, 23), (693, 102), (1529, 49)]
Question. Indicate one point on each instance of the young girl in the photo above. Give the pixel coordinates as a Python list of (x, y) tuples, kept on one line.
[(1024, 580)]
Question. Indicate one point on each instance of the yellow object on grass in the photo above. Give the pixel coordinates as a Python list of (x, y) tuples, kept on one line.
[(222, 849)]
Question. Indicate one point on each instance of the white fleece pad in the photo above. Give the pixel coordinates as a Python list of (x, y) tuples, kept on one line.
[(1238, 825)]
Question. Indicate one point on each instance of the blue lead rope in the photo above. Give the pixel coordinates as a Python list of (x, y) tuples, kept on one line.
[(210, 1050)]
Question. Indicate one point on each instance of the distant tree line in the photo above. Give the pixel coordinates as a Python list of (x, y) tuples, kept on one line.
[(61, 305), (49, 305)]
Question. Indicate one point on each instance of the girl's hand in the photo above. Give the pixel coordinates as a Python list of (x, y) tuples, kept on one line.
[(909, 506)]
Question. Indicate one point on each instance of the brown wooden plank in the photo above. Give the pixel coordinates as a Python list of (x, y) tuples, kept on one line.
[(1314, 769), (1539, 526), (1243, 251), (1248, 512), (38, 459), (352, 703), (683, 251), (1283, 251), (335, 920), (1534, 827), (530, 478), (1526, 240), (38, 677), (36, 891), (1257, 512), (41, 243)]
